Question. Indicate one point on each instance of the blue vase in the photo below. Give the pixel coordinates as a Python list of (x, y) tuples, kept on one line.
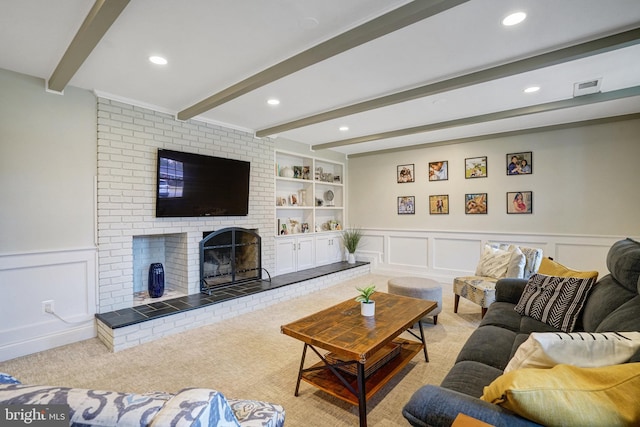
[(156, 280)]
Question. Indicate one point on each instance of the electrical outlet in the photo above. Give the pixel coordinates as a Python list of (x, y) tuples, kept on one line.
[(47, 306)]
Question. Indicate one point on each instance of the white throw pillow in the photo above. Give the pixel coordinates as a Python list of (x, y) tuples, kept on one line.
[(501, 261), (517, 263), (582, 349), (493, 262)]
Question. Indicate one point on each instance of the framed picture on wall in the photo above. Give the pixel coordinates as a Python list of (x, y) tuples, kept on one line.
[(439, 171), (405, 173), (520, 163), (439, 204), (406, 205), (475, 203), (475, 167), (519, 202)]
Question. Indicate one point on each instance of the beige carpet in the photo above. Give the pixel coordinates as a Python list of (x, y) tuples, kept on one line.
[(247, 357)]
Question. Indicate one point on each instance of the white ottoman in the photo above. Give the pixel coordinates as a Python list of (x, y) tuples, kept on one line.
[(418, 287)]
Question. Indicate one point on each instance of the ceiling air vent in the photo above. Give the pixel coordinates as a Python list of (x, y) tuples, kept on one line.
[(586, 88)]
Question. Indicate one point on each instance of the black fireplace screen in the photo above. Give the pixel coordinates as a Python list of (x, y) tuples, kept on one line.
[(229, 256)]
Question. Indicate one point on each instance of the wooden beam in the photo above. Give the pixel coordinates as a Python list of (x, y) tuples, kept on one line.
[(496, 135), (500, 115), (100, 18), (399, 18), (572, 53)]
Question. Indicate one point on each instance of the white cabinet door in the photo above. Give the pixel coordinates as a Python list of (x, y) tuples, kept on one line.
[(304, 253), (285, 255), (294, 254), (328, 249)]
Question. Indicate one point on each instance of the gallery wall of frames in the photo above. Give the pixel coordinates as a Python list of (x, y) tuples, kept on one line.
[(474, 203)]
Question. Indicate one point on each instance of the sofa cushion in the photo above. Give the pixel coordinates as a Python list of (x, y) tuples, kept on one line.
[(623, 262), (624, 318), (469, 377), (554, 300), (489, 345), (207, 407), (605, 297), (503, 315), (550, 267), (584, 349), (571, 396), (254, 413)]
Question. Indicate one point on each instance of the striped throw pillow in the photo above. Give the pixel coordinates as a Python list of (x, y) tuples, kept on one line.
[(556, 301)]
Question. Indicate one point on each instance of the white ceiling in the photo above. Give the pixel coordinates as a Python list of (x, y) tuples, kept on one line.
[(213, 44)]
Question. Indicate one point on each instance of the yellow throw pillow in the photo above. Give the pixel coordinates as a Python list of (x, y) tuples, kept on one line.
[(566, 395), (549, 267)]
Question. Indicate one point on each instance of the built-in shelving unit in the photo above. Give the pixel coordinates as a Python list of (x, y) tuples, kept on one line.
[(310, 211)]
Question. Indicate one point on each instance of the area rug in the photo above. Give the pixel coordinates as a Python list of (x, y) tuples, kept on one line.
[(247, 357)]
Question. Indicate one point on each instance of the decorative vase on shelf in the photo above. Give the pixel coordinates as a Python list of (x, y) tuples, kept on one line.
[(368, 309), (351, 258), (286, 172), (156, 280)]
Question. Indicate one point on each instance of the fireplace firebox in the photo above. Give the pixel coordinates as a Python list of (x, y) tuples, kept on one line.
[(229, 256)]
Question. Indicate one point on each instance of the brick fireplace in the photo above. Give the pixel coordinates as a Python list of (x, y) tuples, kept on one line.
[(130, 237)]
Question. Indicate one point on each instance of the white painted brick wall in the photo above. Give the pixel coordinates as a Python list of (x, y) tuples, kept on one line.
[(128, 140), (131, 336)]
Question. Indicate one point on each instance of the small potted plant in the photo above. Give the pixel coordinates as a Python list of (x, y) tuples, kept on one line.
[(367, 306), (351, 238)]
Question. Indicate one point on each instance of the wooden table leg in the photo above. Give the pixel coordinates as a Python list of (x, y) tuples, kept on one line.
[(362, 396)]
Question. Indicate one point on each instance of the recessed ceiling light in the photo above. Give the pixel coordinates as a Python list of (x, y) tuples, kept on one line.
[(532, 89), (514, 18), (273, 101), (344, 128), (158, 60)]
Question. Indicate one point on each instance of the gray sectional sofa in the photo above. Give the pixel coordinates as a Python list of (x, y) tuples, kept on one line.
[(613, 304)]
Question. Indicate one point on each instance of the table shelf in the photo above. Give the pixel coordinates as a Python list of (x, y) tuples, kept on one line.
[(325, 380)]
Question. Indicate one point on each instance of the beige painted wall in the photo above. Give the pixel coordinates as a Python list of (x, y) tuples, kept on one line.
[(47, 166), (585, 181)]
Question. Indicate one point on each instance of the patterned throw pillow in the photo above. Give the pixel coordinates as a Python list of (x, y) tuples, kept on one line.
[(556, 301), (493, 262)]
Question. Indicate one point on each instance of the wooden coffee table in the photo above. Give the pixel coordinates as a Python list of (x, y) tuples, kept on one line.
[(354, 339)]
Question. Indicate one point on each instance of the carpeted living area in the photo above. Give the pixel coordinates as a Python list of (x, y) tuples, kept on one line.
[(247, 357)]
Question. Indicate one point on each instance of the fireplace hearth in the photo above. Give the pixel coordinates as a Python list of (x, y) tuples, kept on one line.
[(228, 257)]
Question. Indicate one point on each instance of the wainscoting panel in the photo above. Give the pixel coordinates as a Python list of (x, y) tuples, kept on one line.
[(444, 255), (26, 280), (454, 254), (408, 251), (584, 256)]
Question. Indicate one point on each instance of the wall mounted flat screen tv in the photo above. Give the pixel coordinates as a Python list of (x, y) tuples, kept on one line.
[(191, 185)]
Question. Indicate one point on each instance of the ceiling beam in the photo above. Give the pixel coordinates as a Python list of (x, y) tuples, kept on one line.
[(571, 53), (396, 19), (500, 115), (100, 18), (496, 135)]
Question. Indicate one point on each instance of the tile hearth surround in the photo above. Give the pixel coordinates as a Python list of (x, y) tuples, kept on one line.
[(127, 328)]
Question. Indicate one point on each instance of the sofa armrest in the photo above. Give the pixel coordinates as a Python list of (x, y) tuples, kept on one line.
[(433, 406), (196, 407), (510, 290)]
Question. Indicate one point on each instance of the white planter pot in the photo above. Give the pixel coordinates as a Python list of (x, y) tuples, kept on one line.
[(368, 309), (351, 258)]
